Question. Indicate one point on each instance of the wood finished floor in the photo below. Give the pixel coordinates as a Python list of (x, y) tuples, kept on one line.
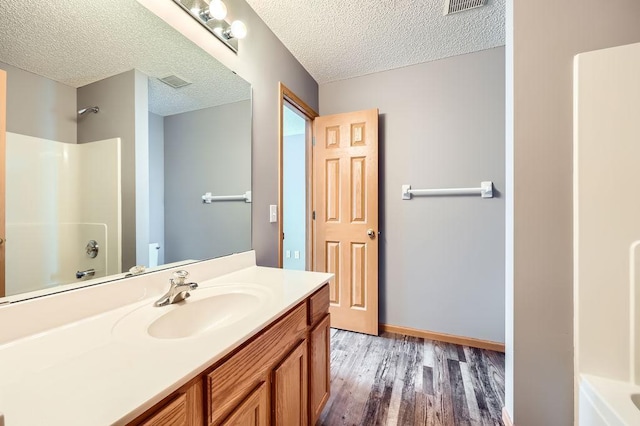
[(401, 380)]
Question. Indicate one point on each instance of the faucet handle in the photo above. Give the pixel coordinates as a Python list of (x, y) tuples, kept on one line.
[(179, 277)]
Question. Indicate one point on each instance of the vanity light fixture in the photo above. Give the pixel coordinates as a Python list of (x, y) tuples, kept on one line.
[(211, 14), (216, 10), (237, 29)]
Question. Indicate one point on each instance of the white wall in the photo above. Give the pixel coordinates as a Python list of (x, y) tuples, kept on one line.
[(441, 126), (542, 38)]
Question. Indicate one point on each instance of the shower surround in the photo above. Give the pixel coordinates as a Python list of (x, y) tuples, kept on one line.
[(607, 235), (59, 196)]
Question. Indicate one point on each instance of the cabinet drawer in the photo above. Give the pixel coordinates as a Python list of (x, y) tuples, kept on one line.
[(319, 304), (231, 381)]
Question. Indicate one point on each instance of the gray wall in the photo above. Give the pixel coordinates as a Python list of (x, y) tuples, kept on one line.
[(542, 38), (116, 97), (208, 150), (156, 183), (141, 118), (441, 126), (39, 107), (264, 62)]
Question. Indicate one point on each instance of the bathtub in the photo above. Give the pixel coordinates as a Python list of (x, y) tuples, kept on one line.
[(605, 402)]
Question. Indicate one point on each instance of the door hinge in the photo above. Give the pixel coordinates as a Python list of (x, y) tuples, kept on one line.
[(313, 141), (313, 215)]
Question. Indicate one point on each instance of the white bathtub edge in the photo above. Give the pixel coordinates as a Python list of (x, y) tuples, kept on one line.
[(605, 402)]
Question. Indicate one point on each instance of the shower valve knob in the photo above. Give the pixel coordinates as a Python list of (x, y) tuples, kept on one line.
[(92, 249)]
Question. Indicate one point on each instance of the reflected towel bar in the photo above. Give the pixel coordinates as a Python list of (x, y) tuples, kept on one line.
[(208, 198), (485, 190)]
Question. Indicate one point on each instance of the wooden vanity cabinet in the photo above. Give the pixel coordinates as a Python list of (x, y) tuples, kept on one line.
[(319, 355), (182, 408), (253, 410), (174, 413), (290, 387), (279, 377), (231, 380), (319, 373)]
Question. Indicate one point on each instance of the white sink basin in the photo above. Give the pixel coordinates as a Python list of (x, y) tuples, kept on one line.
[(207, 309), (212, 312)]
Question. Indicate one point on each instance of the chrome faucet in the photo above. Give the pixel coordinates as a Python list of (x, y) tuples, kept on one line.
[(178, 291), (87, 273)]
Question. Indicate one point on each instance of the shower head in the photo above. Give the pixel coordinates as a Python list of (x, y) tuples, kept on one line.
[(83, 111)]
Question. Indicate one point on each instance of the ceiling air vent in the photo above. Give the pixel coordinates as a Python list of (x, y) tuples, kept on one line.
[(455, 6), (174, 81)]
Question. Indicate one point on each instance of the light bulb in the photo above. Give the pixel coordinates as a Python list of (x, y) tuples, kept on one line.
[(217, 9), (238, 29)]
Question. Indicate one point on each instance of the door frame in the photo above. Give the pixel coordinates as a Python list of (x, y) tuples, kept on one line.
[(286, 95), (3, 136)]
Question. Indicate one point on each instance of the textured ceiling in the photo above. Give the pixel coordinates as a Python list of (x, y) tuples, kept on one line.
[(336, 39), (77, 42)]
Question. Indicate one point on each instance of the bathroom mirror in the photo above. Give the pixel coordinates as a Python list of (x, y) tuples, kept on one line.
[(107, 164)]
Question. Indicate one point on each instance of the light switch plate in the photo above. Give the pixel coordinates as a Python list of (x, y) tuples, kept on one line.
[(273, 213)]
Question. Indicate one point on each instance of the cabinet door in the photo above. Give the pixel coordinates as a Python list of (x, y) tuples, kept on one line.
[(174, 414), (182, 409), (290, 388), (319, 380), (252, 411), (228, 383)]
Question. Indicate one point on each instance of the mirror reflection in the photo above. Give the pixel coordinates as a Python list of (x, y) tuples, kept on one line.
[(117, 126)]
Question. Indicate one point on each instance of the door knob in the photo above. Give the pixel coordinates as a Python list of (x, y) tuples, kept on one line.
[(1, 241), (371, 233)]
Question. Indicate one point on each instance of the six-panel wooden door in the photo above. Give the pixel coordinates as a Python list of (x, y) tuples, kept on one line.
[(345, 161)]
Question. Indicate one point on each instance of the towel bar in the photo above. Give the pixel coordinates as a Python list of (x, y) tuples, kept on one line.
[(485, 190)]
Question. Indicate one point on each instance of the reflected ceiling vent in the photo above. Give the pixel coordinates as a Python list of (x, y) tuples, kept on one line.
[(174, 81), (455, 6)]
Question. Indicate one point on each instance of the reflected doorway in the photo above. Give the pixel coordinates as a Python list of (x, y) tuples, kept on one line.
[(295, 182), (294, 194)]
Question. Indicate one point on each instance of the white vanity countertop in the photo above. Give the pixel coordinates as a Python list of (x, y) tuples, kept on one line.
[(82, 373)]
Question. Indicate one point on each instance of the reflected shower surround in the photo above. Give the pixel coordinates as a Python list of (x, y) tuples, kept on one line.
[(60, 196)]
